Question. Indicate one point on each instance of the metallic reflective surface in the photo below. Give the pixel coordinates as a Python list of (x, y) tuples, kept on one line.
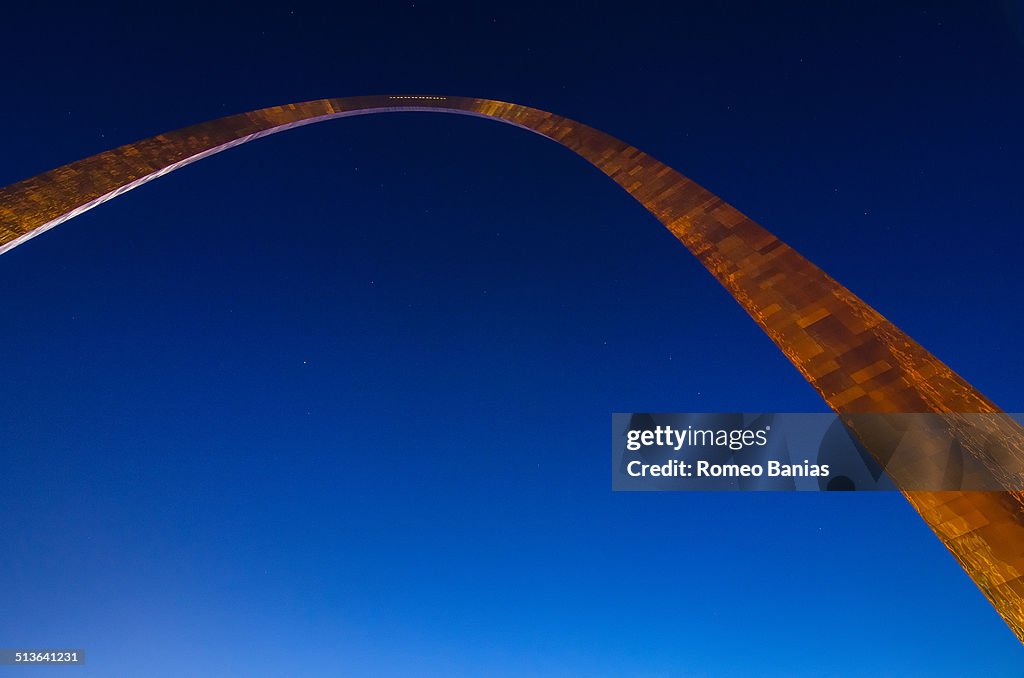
[(856, 359)]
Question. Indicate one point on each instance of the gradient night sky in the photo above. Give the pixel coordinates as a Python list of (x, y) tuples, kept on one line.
[(380, 445)]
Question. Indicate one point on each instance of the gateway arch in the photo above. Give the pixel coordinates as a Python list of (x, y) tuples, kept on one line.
[(856, 359)]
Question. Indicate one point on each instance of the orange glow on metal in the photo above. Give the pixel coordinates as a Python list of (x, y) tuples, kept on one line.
[(856, 359)]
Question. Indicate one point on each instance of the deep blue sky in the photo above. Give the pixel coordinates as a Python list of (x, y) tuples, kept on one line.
[(379, 446)]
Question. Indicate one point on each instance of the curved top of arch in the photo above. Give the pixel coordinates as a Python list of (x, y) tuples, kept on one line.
[(855, 358)]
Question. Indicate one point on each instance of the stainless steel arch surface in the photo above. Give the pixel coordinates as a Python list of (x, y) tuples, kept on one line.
[(856, 359)]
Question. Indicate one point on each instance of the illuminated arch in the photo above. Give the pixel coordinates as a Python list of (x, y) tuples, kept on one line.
[(856, 359)]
